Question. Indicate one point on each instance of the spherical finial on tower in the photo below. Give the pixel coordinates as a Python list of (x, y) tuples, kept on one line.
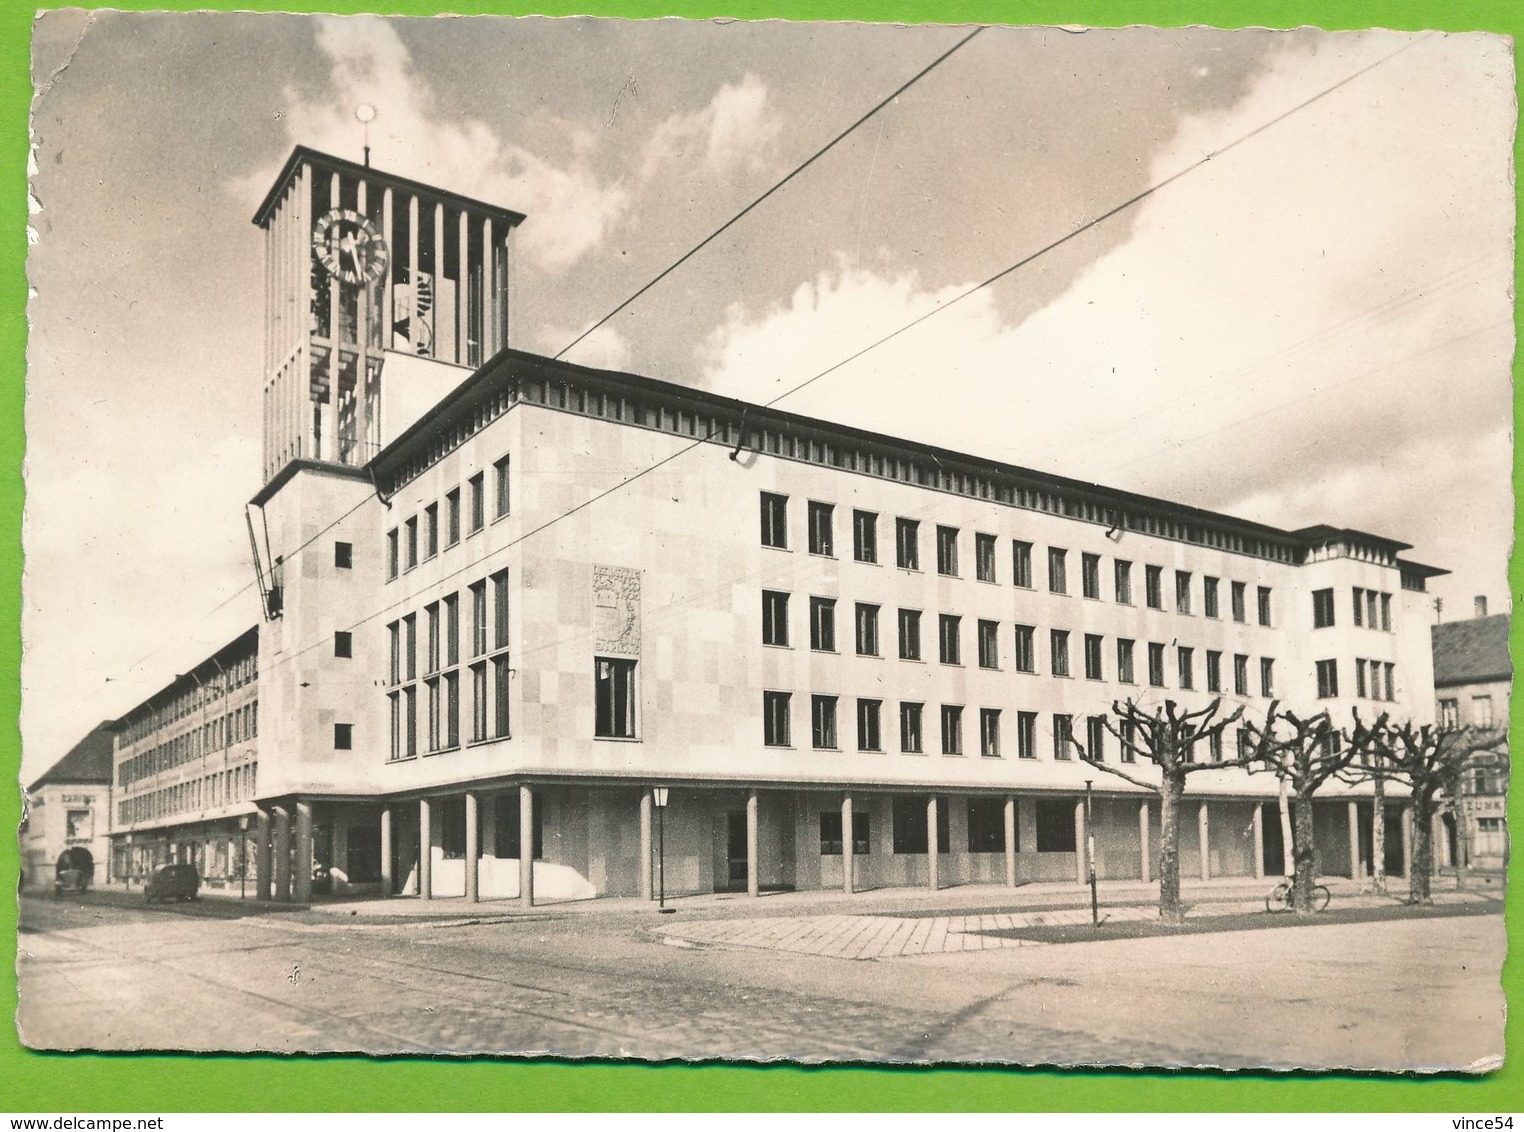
[(366, 113)]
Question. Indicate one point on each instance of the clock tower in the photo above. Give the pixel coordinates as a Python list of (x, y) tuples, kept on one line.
[(381, 295)]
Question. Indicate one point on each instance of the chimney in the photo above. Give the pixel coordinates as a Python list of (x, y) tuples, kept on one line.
[(1481, 606)]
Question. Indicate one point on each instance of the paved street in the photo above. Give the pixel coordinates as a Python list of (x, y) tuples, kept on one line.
[(765, 979)]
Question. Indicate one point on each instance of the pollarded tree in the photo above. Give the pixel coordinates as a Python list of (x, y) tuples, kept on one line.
[(1427, 759), (1304, 753), (1169, 738)]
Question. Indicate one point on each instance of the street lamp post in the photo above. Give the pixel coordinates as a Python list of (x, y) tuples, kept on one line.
[(659, 797), (1095, 910)]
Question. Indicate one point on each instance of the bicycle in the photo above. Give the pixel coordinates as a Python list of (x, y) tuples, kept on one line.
[(1282, 897)]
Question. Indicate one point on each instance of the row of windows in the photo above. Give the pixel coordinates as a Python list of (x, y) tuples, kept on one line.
[(1481, 712), (236, 784), (1374, 680), (1372, 608), (909, 826), (238, 673), (907, 538), (435, 675), (234, 727), (776, 632), (421, 536)]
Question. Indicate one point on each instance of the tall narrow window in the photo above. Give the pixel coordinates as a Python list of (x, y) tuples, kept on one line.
[(343, 644), (1359, 606), (774, 618), (1186, 661), (1370, 609), (1155, 664), (1214, 670), (1209, 597), (952, 729), (1095, 737), (1090, 575), (452, 517), (1063, 736), (1386, 612), (823, 624), (989, 733), (1266, 677), (1264, 605), (1058, 578), (1021, 564), (410, 543), (910, 728), (949, 650), (1026, 648), (500, 610), (1153, 586), (1128, 742), (1391, 682), (343, 555), (822, 533), (1093, 657), (431, 530), (1026, 735), (1360, 684), (476, 492), (1124, 661), (1238, 590), (500, 488), (1322, 608), (823, 722), (868, 712), (615, 698), (1328, 678), (478, 618), (984, 557), (910, 634), (1240, 675), (865, 536), (867, 630), (1182, 591), (907, 551), (989, 644), (1123, 571), (775, 520), (775, 719), (947, 551), (1058, 641)]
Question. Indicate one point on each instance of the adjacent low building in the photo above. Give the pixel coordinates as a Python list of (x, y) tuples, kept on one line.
[(1473, 675), (68, 809)]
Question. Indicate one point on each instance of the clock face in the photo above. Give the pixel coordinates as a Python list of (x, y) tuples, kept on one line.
[(349, 247)]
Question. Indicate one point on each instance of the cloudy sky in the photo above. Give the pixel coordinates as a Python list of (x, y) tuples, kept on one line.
[(1313, 326)]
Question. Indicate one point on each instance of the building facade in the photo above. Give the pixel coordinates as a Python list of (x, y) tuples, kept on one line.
[(68, 810), (521, 615), (1473, 675)]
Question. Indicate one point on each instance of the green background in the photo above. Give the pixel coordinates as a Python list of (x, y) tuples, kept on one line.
[(31, 1082)]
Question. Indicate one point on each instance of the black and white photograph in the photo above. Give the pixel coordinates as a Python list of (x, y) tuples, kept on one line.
[(767, 541)]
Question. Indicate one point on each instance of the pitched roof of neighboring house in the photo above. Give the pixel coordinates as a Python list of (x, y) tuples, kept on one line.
[(89, 760), (1471, 652)]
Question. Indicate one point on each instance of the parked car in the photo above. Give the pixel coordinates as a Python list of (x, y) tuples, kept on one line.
[(172, 882), (73, 872)]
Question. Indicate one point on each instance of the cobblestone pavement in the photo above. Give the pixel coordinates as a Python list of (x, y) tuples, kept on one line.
[(1407, 993)]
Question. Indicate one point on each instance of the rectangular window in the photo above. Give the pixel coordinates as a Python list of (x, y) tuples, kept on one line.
[(1328, 677), (830, 832), (1058, 577), (1026, 648), (478, 702), (868, 712), (431, 637), (410, 543), (1058, 644), (1125, 672), (1240, 675), (1237, 591), (1026, 734), (1063, 736), (949, 645), (952, 729), (910, 728), (989, 733), (1095, 737), (1156, 664), (822, 533), (1214, 745), (1266, 677), (775, 719), (410, 723), (1370, 608), (1056, 832), (343, 736), (1182, 591), (452, 629), (823, 624), (867, 630), (1322, 608), (823, 722), (1214, 670), (1264, 605), (910, 634), (1449, 714), (410, 646), (1123, 571), (1386, 613), (1359, 606), (1128, 742), (775, 520), (615, 697), (502, 674), (343, 555), (1391, 681), (1209, 596), (865, 536), (1153, 586), (1186, 662), (452, 517), (435, 714), (452, 709), (775, 618), (1090, 575), (343, 644), (989, 644), (1245, 742), (984, 557), (907, 544), (478, 618), (1093, 657), (500, 609), (1360, 678), (910, 830), (431, 530), (476, 492), (1021, 564), (947, 551), (501, 489), (986, 825)]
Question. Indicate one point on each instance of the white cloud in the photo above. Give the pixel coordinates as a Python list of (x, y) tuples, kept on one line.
[(737, 130), (571, 210), (604, 348)]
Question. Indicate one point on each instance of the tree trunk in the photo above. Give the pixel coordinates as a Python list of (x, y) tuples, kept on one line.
[(1378, 837), (1170, 790), (1422, 864), (1288, 862), (1304, 852)]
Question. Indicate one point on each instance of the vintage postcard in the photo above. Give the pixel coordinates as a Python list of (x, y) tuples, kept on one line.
[(826, 542)]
